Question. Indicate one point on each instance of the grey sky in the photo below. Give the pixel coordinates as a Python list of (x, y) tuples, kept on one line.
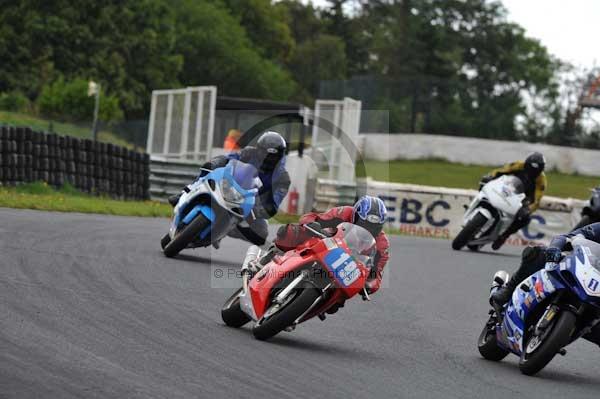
[(568, 28)]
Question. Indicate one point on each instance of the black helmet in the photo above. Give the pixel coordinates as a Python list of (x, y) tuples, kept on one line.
[(370, 213), (272, 147), (535, 164)]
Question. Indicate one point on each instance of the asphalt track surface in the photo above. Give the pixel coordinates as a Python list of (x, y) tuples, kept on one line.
[(90, 308)]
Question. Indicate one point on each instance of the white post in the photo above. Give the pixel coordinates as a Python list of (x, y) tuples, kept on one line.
[(199, 115), (168, 124), (211, 121), (185, 125), (150, 139), (96, 110)]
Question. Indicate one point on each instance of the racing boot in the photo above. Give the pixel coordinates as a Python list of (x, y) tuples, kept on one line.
[(269, 255), (532, 260), (251, 262), (500, 240), (174, 199)]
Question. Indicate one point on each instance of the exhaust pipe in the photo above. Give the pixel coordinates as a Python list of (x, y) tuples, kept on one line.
[(291, 286)]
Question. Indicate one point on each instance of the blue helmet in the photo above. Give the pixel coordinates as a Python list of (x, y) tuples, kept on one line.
[(370, 213)]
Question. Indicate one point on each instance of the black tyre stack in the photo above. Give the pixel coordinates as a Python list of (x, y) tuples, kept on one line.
[(92, 167)]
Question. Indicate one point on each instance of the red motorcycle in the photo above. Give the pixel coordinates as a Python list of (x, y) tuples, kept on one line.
[(302, 283)]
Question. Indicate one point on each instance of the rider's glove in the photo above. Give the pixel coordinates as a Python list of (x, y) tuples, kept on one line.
[(315, 226), (484, 180), (553, 255)]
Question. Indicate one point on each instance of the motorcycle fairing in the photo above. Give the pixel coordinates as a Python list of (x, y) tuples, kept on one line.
[(575, 273), (342, 268), (213, 195), (263, 283), (586, 278), (540, 285), (207, 211)]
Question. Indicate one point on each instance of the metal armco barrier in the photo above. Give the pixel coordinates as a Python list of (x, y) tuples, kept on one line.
[(168, 177), (90, 166), (330, 193), (437, 211)]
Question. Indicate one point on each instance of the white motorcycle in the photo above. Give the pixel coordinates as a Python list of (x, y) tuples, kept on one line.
[(491, 212)]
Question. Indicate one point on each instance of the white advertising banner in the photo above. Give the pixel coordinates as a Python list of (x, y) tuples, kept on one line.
[(438, 212)]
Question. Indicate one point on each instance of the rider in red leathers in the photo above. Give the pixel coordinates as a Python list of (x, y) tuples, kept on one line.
[(368, 212)]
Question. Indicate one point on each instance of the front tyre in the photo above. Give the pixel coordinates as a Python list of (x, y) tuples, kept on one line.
[(266, 328), (186, 236), (232, 313), (165, 241), (468, 232), (538, 351), (488, 345)]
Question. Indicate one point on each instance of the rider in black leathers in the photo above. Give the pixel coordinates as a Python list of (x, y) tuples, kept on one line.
[(535, 258), (269, 158)]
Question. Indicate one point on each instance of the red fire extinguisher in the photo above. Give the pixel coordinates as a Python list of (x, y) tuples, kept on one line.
[(293, 201)]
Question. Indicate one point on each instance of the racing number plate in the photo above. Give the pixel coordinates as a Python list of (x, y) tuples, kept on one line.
[(342, 265)]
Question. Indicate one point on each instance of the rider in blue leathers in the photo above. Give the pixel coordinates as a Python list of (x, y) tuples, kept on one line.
[(269, 159)]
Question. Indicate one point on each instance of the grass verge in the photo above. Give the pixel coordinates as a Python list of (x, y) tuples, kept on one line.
[(68, 129), (446, 174), (67, 199)]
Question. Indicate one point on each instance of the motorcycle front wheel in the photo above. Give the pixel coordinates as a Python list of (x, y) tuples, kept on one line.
[(185, 236), (286, 313), (538, 351), (232, 313), (488, 345), (469, 231)]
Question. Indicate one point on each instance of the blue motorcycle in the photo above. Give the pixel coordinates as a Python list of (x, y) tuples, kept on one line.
[(547, 311), (212, 206)]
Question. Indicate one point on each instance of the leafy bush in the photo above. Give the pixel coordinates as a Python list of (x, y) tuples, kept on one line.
[(69, 100), (14, 101)]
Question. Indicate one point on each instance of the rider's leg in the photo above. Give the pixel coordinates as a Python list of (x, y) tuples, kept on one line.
[(522, 220), (532, 260), (256, 233)]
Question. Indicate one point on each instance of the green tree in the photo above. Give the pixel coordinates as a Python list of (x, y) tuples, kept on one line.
[(69, 100), (126, 45), (321, 58), (217, 51), (265, 26)]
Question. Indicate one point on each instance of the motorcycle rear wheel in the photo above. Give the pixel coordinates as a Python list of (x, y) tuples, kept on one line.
[(285, 317), (185, 236), (469, 231), (555, 340)]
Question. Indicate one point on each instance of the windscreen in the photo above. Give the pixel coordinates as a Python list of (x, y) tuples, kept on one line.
[(243, 173), (594, 248), (515, 184), (360, 242)]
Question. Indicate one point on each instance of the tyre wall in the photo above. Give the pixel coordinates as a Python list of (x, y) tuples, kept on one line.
[(90, 166)]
